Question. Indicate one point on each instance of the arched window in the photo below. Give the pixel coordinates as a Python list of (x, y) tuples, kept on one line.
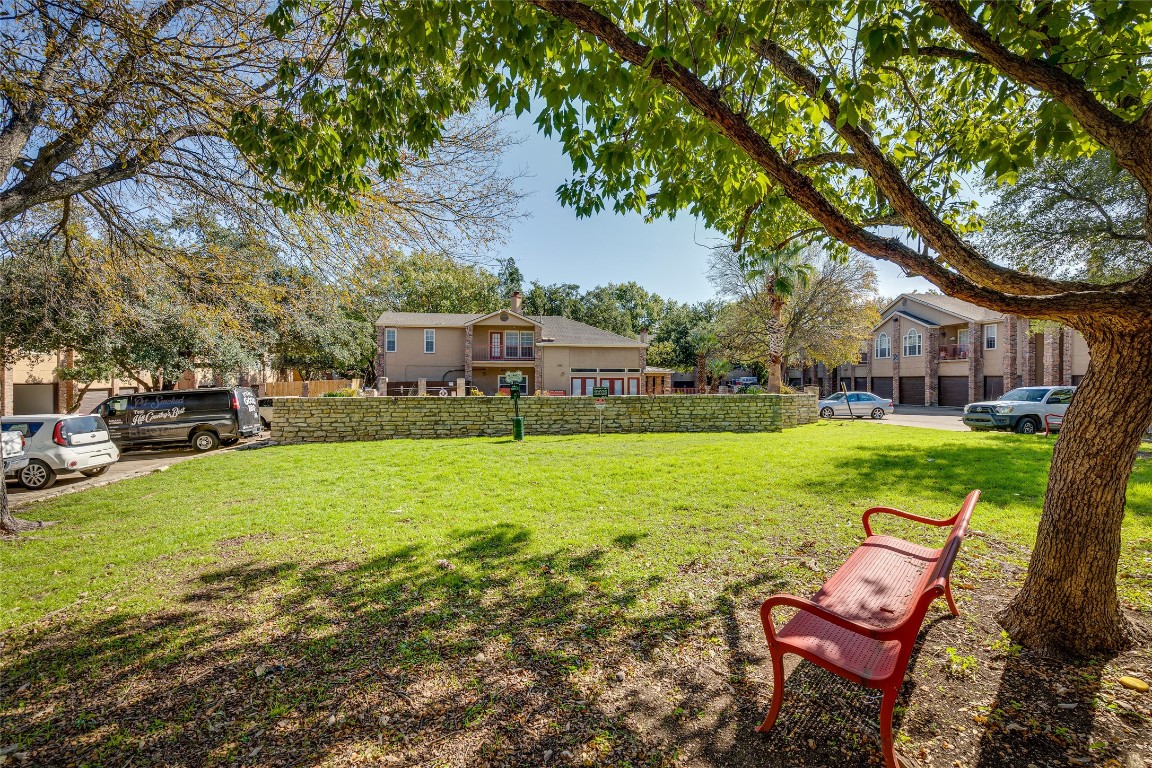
[(913, 343), (883, 347)]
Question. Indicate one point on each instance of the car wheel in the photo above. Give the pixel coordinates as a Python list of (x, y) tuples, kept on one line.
[(877, 413), (230, 441), (826, 413), (205, 441), (95, 471), (1027, 426), (36, 476)]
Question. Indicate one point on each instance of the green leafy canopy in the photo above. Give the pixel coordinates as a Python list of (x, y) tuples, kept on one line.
[(897, 71)]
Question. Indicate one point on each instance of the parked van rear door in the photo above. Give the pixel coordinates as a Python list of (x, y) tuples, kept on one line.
[(247, 412)]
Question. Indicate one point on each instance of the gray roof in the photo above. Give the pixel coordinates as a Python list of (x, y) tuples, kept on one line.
[(563, 330), (425, 319), (555, 330), (954, 306)]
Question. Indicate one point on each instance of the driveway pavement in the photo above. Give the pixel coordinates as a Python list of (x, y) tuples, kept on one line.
[(929, 417), (132, 464)]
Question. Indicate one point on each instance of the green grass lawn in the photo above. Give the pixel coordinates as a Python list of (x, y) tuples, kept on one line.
[(484, 602), (645, 504)]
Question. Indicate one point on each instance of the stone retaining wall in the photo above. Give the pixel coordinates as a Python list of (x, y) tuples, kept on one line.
[(336, 419)]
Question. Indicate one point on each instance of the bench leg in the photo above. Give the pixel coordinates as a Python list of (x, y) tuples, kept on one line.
[(886, 709), (948, 596), (777, 691)]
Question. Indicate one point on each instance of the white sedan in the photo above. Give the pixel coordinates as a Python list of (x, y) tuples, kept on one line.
[(857, 404)]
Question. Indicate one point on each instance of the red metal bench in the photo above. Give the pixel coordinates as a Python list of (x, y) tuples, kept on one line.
[(862, 624)]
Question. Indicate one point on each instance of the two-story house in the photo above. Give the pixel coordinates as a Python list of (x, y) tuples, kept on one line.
[(930, 349), (554, 354)]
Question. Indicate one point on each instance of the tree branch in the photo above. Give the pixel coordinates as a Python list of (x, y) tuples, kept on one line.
[(27, 194), (1057, 300), (1099, 121), (829, 158)]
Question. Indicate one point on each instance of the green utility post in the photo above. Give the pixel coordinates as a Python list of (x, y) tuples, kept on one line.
[(514, 378)]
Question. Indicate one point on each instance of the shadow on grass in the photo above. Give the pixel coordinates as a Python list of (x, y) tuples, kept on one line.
[(493, 655)]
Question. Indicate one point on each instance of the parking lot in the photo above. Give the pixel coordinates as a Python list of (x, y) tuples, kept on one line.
[(927, 416)]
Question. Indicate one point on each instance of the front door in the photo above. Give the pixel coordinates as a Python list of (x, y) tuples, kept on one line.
[(615, 386), (495, 345), (633, 385)]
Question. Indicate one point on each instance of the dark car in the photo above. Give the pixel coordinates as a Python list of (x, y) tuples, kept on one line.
[(203, 418)]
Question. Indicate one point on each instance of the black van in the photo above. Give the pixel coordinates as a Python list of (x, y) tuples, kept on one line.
[(205, 418)]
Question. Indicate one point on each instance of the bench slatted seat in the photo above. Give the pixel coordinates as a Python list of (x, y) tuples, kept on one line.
[(863, 622)]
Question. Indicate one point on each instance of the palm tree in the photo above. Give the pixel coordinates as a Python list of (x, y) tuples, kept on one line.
[(779, 273)]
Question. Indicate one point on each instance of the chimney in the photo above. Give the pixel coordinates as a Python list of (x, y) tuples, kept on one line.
[(517, 301), (643, 335)]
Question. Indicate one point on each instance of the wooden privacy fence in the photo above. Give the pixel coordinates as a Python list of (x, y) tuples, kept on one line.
[(315, 388)]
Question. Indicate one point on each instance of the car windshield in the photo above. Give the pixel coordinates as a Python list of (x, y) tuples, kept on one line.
[(1026, 394)]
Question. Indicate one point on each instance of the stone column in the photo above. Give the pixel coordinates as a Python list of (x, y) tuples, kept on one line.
[(1066, 358), (1051, 357), (1028, 361), (461, 390), (6, 393), (975, 362), (932, 368), (897, 351), (538, 367), (468, 353), (65, 390), (421, 387), (381, 379), (1011, 351)]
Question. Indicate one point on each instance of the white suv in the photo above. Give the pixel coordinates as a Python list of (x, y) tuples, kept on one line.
[(56, 443)]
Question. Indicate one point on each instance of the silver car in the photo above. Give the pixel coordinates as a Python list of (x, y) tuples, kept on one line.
[(855, 404)]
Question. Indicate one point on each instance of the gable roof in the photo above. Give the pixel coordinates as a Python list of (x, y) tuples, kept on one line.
[(963, 310), (553, 330)]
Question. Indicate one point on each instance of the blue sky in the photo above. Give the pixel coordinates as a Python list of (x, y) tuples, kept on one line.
[(667, 257)]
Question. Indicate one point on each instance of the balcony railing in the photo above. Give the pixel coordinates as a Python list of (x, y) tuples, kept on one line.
[(953, 351), (486, 355)]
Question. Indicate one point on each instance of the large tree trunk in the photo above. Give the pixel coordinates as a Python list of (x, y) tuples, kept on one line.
[(1068, 603), (774, 377), (10, 525)]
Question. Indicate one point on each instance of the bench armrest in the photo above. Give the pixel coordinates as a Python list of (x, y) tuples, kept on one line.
[(792, 601), (906, 516)]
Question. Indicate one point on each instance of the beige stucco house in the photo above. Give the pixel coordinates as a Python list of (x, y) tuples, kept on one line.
[(930, 349), (554, 354)]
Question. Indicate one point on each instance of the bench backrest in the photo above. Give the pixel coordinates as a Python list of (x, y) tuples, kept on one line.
[(952, 546)]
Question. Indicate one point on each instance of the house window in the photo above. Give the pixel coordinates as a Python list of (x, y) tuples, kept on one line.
[(512, 342), (962, 339), (502, 383), (913, 343), (527, 339), (990, 337), (494, 345), (883, 348), (390, 340), (583, 385), (429, 341)]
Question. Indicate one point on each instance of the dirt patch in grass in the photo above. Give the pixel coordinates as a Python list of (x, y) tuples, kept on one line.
[(499, 656)]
